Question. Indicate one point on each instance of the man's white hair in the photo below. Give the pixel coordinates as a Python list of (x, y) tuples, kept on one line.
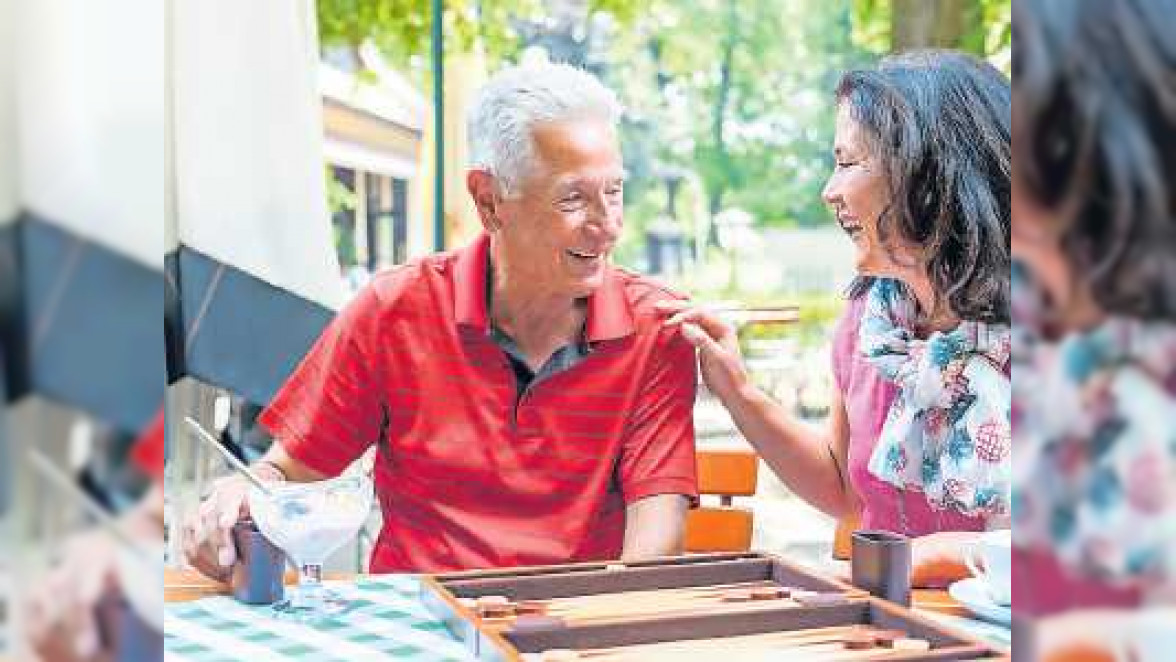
[(517, 98)]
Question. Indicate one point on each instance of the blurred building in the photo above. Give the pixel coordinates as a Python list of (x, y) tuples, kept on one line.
[(378, 146), (372, 136)]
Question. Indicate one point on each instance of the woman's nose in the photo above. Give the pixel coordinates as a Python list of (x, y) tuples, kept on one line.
[(829, 193)]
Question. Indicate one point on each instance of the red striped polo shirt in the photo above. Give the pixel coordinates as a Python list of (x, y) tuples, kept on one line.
[(147, 453), (469, 473)]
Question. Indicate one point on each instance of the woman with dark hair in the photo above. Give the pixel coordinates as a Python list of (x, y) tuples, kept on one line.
[(918, 438), (1094, 235)]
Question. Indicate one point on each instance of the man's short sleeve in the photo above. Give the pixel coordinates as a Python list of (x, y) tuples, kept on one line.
[(657, 454), (148, 450), (331, 408)]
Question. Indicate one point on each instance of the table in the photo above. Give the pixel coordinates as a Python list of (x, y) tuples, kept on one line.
[(204, 624), (387, 621)]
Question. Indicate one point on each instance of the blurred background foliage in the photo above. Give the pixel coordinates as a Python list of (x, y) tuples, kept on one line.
[(728, 102)]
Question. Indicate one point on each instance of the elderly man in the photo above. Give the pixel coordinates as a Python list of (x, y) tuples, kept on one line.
[(526, 403)]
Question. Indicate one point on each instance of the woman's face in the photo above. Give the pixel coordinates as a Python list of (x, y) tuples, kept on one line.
[(857, 194)]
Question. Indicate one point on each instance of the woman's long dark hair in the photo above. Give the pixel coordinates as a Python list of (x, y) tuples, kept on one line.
[(939, 123), (1096, 114)]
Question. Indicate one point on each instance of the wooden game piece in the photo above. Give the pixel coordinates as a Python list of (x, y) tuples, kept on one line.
[(911, 645), (493, 601), (495, 606), (559, 655), (765, 593), (886, 638), (736, 596), (495, 613), (858, 640), (528, 607), (814, 599)]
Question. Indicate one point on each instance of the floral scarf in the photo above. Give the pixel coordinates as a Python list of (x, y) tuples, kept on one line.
[(1095, 414), (947, 434)]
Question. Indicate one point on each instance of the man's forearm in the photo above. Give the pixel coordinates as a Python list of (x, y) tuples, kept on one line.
[(277, 464), (655, 526)]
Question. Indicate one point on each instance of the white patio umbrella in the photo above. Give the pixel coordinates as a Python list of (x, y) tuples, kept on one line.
[(7, 127), (82, 177), (247, 141), (7, 216), (253, 257)]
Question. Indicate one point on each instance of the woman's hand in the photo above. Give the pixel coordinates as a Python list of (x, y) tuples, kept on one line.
[(1105, 635), (718, 347), (937, 559)]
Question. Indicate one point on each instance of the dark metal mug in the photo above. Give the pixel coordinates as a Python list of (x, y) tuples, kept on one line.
[(881, 565), (125, 634), (257, 575)]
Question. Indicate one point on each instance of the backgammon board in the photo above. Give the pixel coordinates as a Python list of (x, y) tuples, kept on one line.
[(728, 607)]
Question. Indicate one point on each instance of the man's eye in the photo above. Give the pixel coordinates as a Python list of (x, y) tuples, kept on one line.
[(570, 202)]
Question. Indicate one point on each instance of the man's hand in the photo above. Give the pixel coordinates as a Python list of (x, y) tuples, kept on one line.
[(208, 534), (60, 616)]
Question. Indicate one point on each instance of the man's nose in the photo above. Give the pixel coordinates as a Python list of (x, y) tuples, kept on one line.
[(607, 217)]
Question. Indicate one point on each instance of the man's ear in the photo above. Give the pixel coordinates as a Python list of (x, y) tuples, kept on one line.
[(484, 192)]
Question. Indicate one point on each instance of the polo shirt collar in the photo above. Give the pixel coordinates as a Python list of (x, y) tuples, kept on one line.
[(470, 271), (609, 314)]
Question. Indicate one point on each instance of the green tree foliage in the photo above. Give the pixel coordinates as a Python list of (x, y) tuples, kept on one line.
[(737, 94), (401, 29), (728, 102)]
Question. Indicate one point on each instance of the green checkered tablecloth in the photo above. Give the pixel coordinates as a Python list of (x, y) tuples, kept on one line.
[(387, 621)]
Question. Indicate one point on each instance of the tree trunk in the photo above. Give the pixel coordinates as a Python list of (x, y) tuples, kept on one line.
[(726, 65), (922, 24)]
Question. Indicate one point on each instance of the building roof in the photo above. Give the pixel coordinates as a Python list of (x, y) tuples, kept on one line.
[(392, 98)]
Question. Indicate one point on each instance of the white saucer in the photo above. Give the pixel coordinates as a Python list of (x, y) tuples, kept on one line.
[(972, 594)]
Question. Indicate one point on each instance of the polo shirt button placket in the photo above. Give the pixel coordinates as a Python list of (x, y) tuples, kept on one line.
[(518, 411)]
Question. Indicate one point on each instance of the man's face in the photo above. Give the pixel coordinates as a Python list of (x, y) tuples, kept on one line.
[(560, 228)]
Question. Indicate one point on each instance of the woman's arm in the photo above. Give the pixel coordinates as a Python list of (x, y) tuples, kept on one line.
[(810, 460)]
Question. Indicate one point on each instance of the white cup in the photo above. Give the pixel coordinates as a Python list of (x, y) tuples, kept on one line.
[(991, 560)]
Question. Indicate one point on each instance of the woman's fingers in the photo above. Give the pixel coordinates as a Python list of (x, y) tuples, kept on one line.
[(699, 338), (708, 321), (683, 316)]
